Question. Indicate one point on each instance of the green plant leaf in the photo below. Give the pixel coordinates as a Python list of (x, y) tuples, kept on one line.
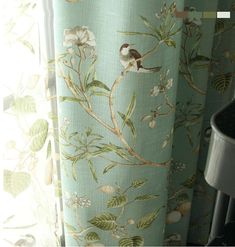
[(117, 201), (109, 167), (138, 183), (147, 220), (24, 104), (98, 84), (105, 221), (221, 82), (93, 171), (135, 241), (15, 182), (146, 197), (38, 133), (92, 237)]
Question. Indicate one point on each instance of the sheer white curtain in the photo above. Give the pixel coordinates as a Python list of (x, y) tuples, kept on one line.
[(30, 192)]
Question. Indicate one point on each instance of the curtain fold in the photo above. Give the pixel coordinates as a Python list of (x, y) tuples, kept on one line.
[(136, 87)]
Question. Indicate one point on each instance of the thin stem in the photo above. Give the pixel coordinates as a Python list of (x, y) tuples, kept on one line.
[(187, 73)]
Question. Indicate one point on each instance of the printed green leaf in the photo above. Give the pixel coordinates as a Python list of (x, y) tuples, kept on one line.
[(8, 102), (135, 241), (69, 99), (100, 94), (16, 182), (147, 23), (146, 197), (138, 33), (92, 237), (71, 229), (117, 201), (219, 26), (199, 58), (108, 168), (27, 44), (189, 182), (222, 82), (74, 170), (49, 150), (58, 189), (105, 221), (138, 183), (24, 104), (170, 42), (128, 122), (98, 84), (147, 220), (93, 171), (182, 198), (131, 107), (38, 133)]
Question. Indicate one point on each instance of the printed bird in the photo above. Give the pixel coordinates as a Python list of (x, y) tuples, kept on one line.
[(128, 55)]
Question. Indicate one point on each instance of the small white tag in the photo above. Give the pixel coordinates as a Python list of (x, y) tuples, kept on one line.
[(223, 14)]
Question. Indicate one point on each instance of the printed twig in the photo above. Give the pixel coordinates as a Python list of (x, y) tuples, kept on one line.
[(187, 74), (116, 128)]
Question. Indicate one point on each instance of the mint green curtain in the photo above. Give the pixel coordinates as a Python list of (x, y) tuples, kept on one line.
[(133, 145)]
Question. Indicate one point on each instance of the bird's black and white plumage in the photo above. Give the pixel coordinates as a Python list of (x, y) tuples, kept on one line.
[(128, 55)]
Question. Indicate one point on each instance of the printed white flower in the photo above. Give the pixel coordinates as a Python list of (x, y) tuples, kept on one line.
[(158, 16), (131, 222), (155, 91), (107, 189), (79, 36), (164, 144), (75, 201), (169, 83), (70, 50), (152, 124), (184, 208), (173, 217), (146, 118)]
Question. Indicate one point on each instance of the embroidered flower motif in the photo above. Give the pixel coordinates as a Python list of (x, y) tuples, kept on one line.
[(79, 36)]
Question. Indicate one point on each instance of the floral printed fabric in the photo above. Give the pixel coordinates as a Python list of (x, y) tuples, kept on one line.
[(116, 110), (117, 68)]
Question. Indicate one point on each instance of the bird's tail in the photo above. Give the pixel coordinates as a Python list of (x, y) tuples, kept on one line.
[(150, 70)]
